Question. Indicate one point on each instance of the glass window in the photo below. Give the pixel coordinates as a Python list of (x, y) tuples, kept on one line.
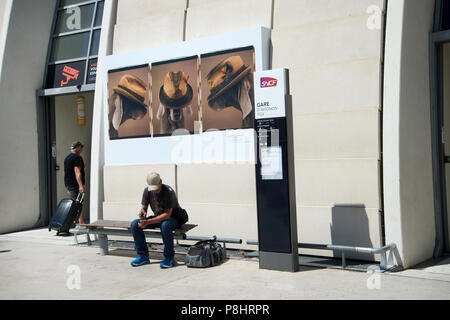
[(95, 42), (446, 15), (77, 28), (99, 15), (75, 18), (70, 47)]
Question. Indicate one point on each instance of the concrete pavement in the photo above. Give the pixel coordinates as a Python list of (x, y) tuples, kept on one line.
[(38, 265)]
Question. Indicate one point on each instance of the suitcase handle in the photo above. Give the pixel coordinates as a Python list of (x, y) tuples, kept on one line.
[(80, 197)]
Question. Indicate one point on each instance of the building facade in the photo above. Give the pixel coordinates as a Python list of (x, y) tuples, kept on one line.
[(368, 81)]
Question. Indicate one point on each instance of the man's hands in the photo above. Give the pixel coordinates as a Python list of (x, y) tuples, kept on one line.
[(142, 214), (145, 222), (142, 224)]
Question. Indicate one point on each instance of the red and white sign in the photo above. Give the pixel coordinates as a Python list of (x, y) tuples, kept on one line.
[(267, 82), (270, 91)]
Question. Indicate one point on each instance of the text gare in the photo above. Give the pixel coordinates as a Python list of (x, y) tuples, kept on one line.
[(264, 107)]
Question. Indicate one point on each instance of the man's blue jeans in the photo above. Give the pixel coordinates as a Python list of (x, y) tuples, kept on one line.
[(166, 227)]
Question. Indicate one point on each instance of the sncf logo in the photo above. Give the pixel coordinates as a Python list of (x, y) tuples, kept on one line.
[(268, 82)]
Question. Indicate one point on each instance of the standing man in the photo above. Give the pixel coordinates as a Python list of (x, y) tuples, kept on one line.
[(74, 179), (168, 217)]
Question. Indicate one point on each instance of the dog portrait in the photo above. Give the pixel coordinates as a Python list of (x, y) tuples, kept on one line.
[(174, 95), (227, 89), (128, 101)]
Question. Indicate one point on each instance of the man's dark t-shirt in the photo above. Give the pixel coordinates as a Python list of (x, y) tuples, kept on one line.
[(160, 203), (73, 160)]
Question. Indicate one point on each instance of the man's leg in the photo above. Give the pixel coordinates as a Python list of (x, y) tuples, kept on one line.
[(140, 244), (167, 228), (139, 238)]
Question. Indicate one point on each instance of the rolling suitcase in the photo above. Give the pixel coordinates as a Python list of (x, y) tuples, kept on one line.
[(66, 214)]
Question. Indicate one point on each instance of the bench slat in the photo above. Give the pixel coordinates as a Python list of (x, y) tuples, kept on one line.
[(127, 225), (108, 224)]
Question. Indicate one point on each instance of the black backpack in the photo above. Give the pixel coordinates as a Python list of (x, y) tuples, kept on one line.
[(182, 216), (204, 254)]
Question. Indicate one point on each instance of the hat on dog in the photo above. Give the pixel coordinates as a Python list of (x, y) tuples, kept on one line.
[(153, 181), (132, 88), (225, 75), (175, 92)]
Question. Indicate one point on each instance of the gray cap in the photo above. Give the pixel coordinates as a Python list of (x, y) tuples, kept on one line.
[(153, 181), (76, 144)]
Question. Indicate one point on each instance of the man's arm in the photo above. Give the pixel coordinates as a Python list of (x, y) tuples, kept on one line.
[(143, 212), (79, 179), (160, 218)]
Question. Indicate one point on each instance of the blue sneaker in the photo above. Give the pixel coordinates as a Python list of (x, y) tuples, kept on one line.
[(167, 263), (140, 261)]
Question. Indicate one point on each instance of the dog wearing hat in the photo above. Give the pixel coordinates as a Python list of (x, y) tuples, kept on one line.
[(175, 95), (230, 84), (127, 102)]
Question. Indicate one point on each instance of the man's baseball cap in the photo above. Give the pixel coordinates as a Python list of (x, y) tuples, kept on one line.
[(153, 181), (76, 144)]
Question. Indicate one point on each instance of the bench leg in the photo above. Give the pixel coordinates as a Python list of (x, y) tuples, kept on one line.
[(88, 239), (103, 242)]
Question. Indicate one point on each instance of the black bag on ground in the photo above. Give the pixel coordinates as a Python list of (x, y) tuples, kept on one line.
[(66, 214), (206, 253)]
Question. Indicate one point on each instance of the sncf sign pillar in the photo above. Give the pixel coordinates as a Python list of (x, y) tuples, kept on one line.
[(275, 188)]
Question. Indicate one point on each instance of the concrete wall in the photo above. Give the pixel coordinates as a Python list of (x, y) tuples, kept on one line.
[(148, 23), (408, 185), (5, 7), (334, 57), (335, 61), (97, 150), (25, 38)]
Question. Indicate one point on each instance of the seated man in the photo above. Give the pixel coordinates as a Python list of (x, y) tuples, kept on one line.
[(168, 216)]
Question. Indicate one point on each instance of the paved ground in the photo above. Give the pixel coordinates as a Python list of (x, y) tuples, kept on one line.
[(38, 265)]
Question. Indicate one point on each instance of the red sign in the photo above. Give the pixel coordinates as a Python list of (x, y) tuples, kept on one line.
[(268, 82), (69, 73)]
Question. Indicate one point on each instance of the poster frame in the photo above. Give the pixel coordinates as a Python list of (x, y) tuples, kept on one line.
[(187, 148)]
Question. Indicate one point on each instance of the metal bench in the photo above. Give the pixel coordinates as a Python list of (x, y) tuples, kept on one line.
[(389, 253), (103, 228)]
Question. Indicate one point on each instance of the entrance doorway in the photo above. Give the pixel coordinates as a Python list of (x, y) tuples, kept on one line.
[(445, 93), (440, 122), (67, 129)]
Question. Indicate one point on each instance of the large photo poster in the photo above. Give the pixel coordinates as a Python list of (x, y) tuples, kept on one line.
[(128, 103), (212, 91), (184, 102), (174, 95), (227, 89)]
